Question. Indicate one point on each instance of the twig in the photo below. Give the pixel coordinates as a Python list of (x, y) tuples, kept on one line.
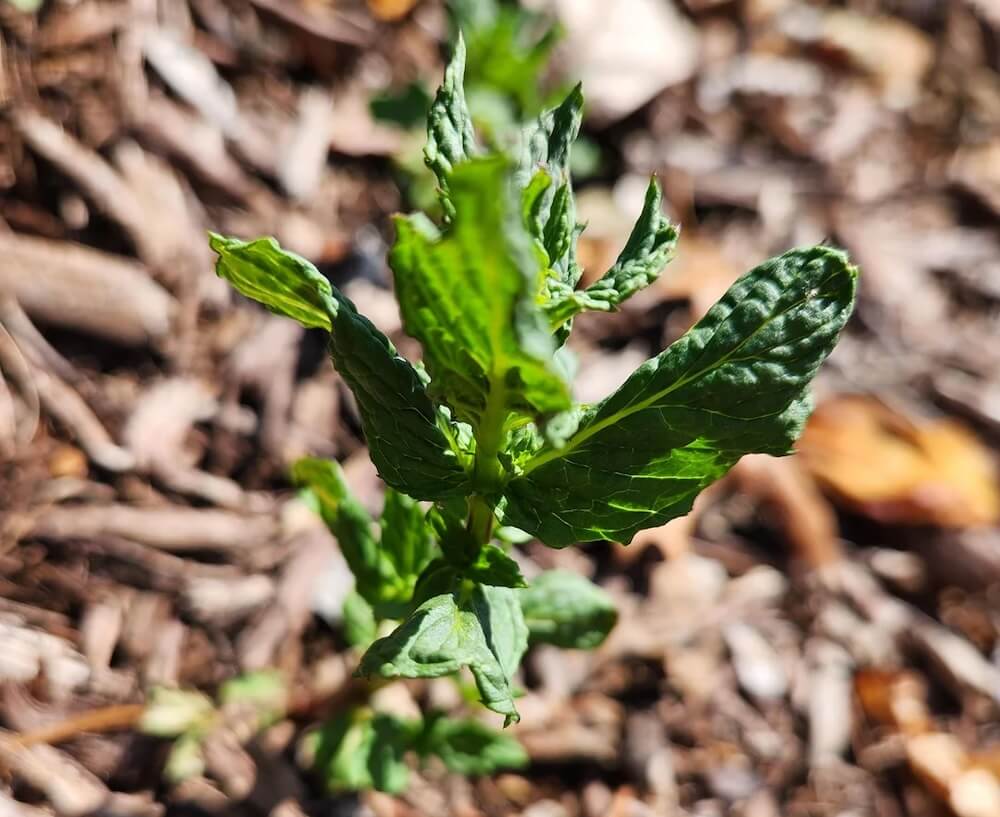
[(106, 719)]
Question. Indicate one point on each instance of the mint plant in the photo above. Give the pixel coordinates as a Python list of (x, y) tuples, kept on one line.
[(486, 431)]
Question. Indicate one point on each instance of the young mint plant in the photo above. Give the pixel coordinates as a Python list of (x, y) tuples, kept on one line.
[(487, 430)]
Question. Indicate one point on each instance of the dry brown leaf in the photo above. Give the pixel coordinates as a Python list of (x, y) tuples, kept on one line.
[(391, 10), (803, 515), (894, 469), (895, 698)]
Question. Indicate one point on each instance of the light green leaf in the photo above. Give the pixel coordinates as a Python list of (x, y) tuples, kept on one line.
[(411, 444), (468, 747), (508, 50), (406, 537), (567, 610), (171, 712), (486, 634), (734, 384), (640, 263), (360, 627), (470, 298), (359, 750), (264, 691), (349, 522), (450, 137), (26, 5), (185, 759)]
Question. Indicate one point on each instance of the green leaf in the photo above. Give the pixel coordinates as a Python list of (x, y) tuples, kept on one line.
[(186, 759), (439, 578), (358, 751), (448, 522), (508, 50), (485, 633), (544, 175), (263, 690), (468, 747), (734, 384), (450, 137), (349, 522), (26, 5), (406, 107), (640, 263), (567, 610), (499, 612), (406, 537), (172, 712), (495, 568), (412, 445), (470, 298), (360, 627)]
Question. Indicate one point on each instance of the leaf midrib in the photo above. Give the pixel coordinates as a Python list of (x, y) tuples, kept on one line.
[(628, 411)]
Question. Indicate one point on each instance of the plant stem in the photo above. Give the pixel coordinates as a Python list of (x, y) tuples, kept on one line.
[(480, 519), (487, 471)]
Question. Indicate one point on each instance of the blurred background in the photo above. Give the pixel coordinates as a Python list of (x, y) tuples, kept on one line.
[(818, 638)]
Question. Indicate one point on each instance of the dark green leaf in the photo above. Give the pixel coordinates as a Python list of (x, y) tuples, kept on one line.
[(736, 383), (468, 747), (411, 444), (486, 633), (448, 522), (567, 610), (406, 537), (544, 175), (450, 137), (495, 568), (407, 107), (439, 578), (471, 298)]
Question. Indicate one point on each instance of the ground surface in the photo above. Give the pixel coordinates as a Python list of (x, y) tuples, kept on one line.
[(819, 638)]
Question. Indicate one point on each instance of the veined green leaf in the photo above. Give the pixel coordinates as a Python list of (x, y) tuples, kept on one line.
[(348, 521), (487, 634), (734, 384), (567, 610), (450, 136), (649, 248), (468, 747), (411, 444), (470, 297)]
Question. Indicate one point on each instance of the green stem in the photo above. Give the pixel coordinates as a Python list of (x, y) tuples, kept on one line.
[(487, 471), (480, 519)]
